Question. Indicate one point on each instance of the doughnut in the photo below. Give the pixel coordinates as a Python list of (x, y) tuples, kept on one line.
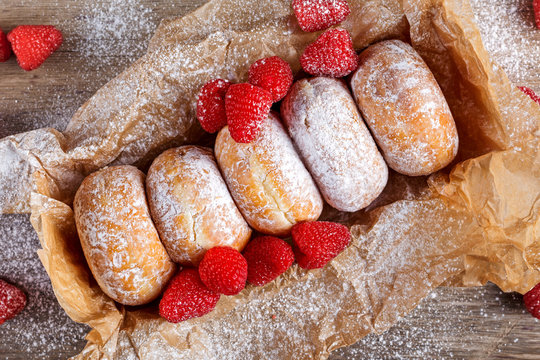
[(405, 109), (118, 238), (267, 179), (191, 206), (327, 129)]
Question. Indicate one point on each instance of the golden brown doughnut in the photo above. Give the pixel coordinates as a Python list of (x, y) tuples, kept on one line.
[(191, 206), (267, 179), (118, 238), (405, 109), (324, 122)]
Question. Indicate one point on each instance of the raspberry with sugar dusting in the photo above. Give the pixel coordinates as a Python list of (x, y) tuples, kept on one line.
[(267, 258), (5, 47), (224, 270), (12, 301), (531, 93), (211, 105), (186, 297), (272, 74), (33, 44), (536, 6), (246, 106), (315, 15), (318, 242), (332, 54), (532, 301)]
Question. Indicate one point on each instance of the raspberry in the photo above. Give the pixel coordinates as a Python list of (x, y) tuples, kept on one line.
[(33, 44), (224, 270), (5, 47), (318, 242), (531, 93), (315, 15), (272, 74), (532, 301), (211, 105), (332, 54), (186, 297), (12, 301), (247, 106), (267, 258), (536, 6)]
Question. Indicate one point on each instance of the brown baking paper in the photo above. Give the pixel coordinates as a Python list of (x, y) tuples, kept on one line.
[(476, 221)]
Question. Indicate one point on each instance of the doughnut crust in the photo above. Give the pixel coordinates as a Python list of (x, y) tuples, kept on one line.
[(324, 123), (267, 179), (191, 206), (405, 109), (118, 238)]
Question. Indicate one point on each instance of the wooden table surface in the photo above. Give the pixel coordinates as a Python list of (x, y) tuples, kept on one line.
[(101, 38)]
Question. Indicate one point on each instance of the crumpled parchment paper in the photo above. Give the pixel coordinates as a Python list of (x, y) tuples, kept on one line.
[(474, 222)]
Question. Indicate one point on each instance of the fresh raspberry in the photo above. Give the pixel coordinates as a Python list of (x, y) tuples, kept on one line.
[(211, 105), (186, 297), (272, 74), (12, 301), (247, 106), (332, 54), (532, 301), (5, 47), (224, 270), (536, 6), (315, 15), (267, 258), (33, 44), (318, 242), (531, 93)]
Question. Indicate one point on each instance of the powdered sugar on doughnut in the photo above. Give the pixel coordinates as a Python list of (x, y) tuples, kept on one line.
[(119, 240), (267, 179), (334, 142), (191, 205), (405, 109)]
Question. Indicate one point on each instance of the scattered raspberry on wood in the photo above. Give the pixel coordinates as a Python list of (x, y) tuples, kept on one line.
[(33, 44), (12, 301)]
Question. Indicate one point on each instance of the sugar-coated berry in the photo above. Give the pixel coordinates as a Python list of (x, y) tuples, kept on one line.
[(315, 15), (247, 106), (267, 258), (186, 297), (332, 54), (12, 301), (532, 301), (536, 7), (211, 105), (33, 44), (5, 47), (272, 74), (531, 93), (318, 242), (224, 270)]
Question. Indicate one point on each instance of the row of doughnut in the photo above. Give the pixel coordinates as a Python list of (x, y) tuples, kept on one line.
[(133, 229)]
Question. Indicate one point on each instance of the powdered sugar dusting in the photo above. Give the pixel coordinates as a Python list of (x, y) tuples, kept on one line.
[(267, 179), (191, 205), (510, 35), (405, 109), (119, 240), (107, 27), (334, 142), (42, 327)]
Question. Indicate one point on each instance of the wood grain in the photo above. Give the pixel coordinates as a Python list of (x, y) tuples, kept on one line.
[(474, 323)]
